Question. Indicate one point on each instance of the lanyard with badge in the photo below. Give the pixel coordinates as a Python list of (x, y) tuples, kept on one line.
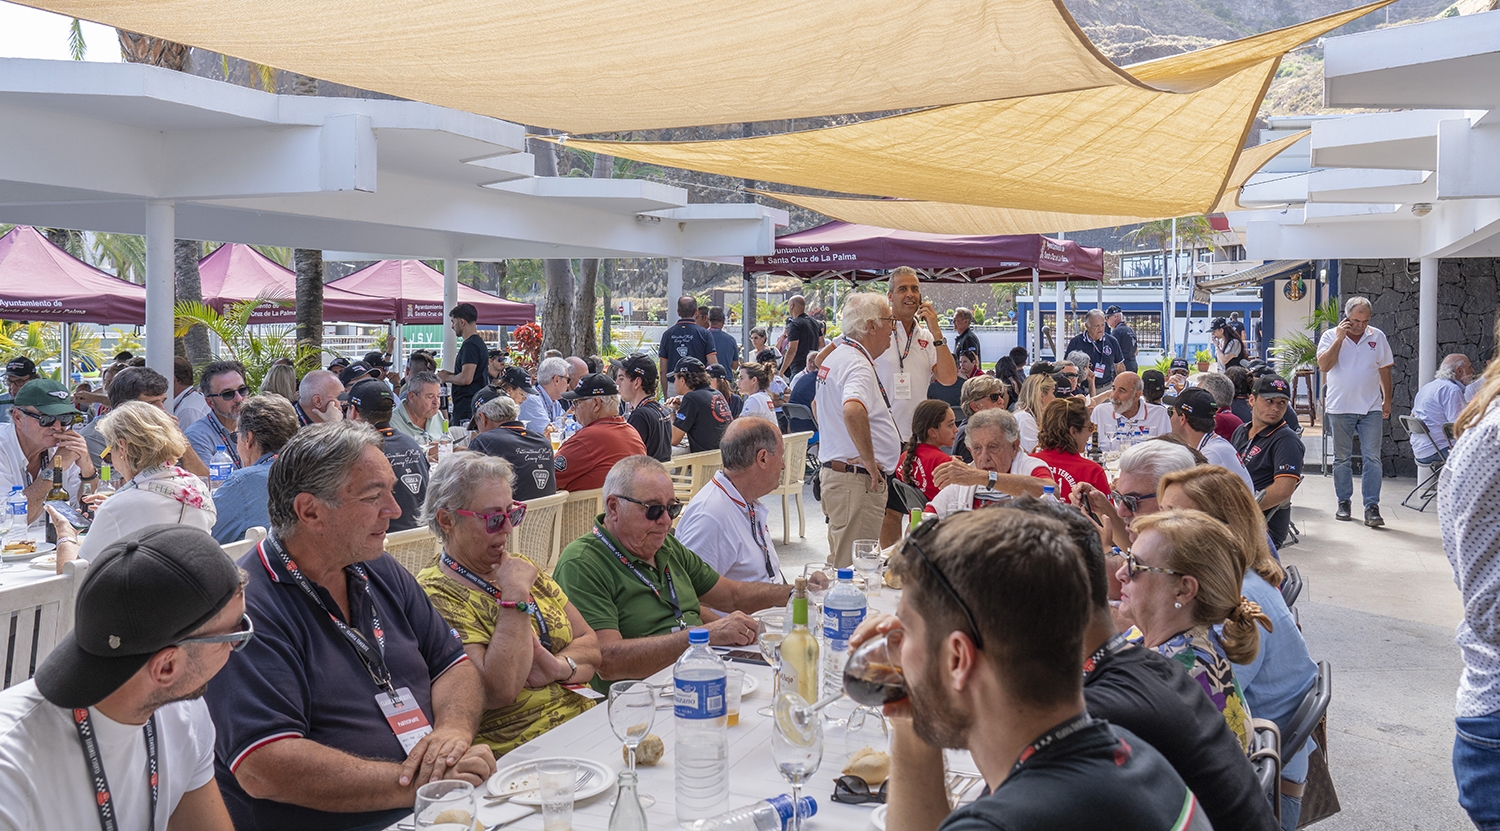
[(226, 437), (666, 570), (397, 703), (1056, 734), (757, 533), (543, 633), (1110, 648), (903, 378), (103, 799), (848, 341)]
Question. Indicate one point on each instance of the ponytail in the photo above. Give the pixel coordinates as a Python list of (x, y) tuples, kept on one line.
[(910, 461), (1241, 637)]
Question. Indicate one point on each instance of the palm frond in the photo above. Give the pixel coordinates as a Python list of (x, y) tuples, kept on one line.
[(77, 46)]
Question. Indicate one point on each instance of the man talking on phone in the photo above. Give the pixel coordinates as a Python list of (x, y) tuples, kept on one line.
[(42, 428), (1357, 360)]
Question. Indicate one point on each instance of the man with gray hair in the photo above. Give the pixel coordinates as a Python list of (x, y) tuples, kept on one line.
[(964, 338), (318, 398), (582, 462), (551, 383), (725, 524), (1000, 467), (641, 589), (1122, 418), (1357, 360), (344, 639), (1106, 358), (502, 434), (418, 416), (1439, 402)]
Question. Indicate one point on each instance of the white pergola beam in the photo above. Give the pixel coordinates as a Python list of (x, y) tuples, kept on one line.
[(1468, 160)]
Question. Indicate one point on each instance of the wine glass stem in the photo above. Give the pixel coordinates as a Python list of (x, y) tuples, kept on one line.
[(796, 806), (632, 758)]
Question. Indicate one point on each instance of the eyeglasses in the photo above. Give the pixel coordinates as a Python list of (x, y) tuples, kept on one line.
[(238, 638), (995, 397), (852, 790), (1130, 501), (1133, 568), (66, 419), (915, 541), (494, 522), (654, 512), (1072, 375), (230, 395)]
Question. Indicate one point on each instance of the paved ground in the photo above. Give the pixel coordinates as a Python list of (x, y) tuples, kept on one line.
[(1380, 607)]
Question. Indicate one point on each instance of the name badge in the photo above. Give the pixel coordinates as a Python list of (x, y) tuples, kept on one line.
[(1099, 371), (406, 719), (903, 386)]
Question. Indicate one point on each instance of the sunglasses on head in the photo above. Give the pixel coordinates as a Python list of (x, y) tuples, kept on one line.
[(66, 419), (852, 790), (654, 512), (914, 540), (494, 522), (239, 637), (230, 395)]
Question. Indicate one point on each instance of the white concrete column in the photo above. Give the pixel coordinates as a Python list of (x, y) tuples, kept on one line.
[(1036, 316), (450, 299), (674, 286), (748, 306), (1427, 309), (161, 285)]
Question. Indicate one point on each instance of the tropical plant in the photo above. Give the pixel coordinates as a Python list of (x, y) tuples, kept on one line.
[(43, 342), (1162, 365), (1293, 352), (257, 347), (1323, 317), (981, 314), (1203, 356)]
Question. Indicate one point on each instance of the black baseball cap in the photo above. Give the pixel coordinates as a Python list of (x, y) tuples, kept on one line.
[(376, 358), (718, 371), (1177, 363), (1153, 381), (1193, 402), (592, 386), (20, 367), (1272, 386), (144, 593), (338, 363), (1112, 310), (516, 377), (690, 364), (1218, 323), (47, 396), (356, 371), (489, 393), (639, 366), (370, 396)]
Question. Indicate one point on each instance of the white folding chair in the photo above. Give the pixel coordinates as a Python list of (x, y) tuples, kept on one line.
[(33, 618)]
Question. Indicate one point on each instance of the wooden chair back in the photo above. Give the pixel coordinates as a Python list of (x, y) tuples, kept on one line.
[(33, 618)]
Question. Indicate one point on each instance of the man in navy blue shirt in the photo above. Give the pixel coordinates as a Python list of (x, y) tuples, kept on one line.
[(686, 339), (725, 345), (354, 691), (1103, 350)]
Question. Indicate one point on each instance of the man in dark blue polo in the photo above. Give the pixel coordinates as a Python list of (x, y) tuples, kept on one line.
[(1271, 451), (1103, 350), (686, 339), (354, 692)]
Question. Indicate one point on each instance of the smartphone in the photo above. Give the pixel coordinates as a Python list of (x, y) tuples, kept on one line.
[(71, 514)]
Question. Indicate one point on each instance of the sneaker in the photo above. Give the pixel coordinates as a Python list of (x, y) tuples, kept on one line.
[(1344, 512), (1372, 517)]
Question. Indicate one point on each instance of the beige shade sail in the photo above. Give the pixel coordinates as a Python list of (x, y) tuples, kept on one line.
[(612, 65), (974, 220), (1108, 150)]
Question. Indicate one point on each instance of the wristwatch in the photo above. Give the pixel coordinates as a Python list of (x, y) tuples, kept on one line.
[(994, 477), (572, 666)]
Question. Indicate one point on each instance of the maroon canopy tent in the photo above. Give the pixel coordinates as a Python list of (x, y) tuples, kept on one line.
[(39, 281), (236, 272), (841, 250), (412, 292)]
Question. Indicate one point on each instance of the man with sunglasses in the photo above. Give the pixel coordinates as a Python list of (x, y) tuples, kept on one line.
[(586, 457), (19, 371), (41, 428), (223, 385), (114, 725)]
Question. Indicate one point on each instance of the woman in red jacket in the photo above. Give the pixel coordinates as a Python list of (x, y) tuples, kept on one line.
[(933, 427), (1062, 434)]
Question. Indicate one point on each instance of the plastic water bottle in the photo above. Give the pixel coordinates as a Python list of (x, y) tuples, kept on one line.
[(843, 611), (1119, 438), (570, 426), (15, 510), (219, 468), (774, 814), (702, 745), (1049, 493)]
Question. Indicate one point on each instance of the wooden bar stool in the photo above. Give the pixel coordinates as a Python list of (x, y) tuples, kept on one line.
[(1304, 378)]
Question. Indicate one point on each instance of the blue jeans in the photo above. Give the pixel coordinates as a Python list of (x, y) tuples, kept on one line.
[(1476, 767), (1369, 427), (1291, 811)]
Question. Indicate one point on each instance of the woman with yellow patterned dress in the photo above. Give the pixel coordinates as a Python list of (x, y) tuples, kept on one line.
[(515, 622)]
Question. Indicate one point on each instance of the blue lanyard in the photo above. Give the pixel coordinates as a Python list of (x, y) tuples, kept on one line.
[(490, 589)]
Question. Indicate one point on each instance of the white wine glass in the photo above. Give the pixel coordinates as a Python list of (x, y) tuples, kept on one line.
[(632, 711), (815, 596), (867, 560), (797, 748), (771, 628)]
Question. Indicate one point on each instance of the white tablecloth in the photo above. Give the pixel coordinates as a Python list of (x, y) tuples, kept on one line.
[(20, 572)]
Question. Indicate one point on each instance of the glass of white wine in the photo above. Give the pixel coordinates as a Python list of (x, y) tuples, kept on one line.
[(867, 560), (632, 711), (771, 625)]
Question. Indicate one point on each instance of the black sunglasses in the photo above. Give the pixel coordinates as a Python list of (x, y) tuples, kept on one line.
[(654, 512), (1131, 501), (230, 395), (66, 419), (852, 790), (238, 638), (995, 397), (915, 541)]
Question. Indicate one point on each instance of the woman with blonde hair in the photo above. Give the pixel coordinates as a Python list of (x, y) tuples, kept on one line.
[(282, 380), (1278, 678), (1180, 586), (144, 445), (1036, 394)]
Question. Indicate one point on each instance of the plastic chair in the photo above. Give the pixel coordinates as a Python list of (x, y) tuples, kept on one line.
[(415, 549), (537, 538), (1428, 489), (33, 618), (792, 480), (1291, 587), (1265, 757), (792, 411), (911, 497), (1313, 708), (241, 547), (577, 519), (690, 472)]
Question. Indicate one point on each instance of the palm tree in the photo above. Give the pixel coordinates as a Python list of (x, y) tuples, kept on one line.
[(43, 341), (257, 347)]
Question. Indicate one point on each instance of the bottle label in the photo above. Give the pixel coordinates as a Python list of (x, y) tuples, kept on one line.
[(783, 805), (698, 699), (839, 624)]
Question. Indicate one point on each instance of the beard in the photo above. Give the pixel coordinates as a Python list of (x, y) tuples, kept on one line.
[(937, 721)]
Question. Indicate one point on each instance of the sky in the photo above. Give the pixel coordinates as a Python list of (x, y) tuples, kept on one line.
[(29, 33)]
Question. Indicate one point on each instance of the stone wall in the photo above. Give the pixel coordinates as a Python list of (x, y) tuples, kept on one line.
[(1467, 293)]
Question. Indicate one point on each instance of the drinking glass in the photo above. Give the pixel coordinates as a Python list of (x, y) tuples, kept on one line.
[(771, 625), (445, 805), (867, 560), (816, 597), (632, 711), (872, 675), (734, 689), (866, 727), (559, 782), (797, 748)]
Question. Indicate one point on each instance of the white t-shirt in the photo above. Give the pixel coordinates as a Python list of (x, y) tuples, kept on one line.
[(1220, 452), (715, 525), (189, 407), (1153, 417), (13, 466), (758, 404), (1027, 422), (847, 375), (1354, 380), (920, 354), (954, 498), (44, 779)]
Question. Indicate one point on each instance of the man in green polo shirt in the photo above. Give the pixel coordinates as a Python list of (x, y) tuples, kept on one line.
[(641, 590)]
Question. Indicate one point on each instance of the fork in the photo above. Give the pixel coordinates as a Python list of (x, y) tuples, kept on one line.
[(584, 778)]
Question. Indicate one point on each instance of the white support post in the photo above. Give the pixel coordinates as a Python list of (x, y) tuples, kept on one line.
[(1036, 316), (396, 344), (1058, 329), (1427, 309), (674, 286), (161, 286), (66, 343), (450, 299), (748, 308)]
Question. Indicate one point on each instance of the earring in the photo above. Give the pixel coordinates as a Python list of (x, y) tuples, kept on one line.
[(1177, 605)]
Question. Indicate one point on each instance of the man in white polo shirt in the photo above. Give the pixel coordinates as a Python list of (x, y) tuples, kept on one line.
[(858, 443), (1357, 360), (1127, 411), (1000, 467), (725, 523), (1193, 414)]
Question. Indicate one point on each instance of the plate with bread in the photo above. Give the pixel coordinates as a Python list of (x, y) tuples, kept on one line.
[(18, 550)]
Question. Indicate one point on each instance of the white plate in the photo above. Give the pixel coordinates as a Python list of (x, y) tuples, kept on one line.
[(523, 775), (19, 556), (46, 562), (877, 818)]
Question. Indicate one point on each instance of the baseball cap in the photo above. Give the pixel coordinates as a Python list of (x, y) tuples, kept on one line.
[(718, 371), (20, 367), (370, 395), (1178, 363), (1112, 310), (48, 396), (639, 366), (1272, 386), (1193, 402), (489, 393), (592, 386), (375, 358), (337, 364), (144, 593), (1218, 323), (1153, 381), (356, 371), (514, 376), (690, 364)]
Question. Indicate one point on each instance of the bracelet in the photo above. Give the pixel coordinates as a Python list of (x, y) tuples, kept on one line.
[(519, 605), (89, 478)]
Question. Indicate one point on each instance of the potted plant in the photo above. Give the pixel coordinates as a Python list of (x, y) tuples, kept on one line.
[(1204, 358)]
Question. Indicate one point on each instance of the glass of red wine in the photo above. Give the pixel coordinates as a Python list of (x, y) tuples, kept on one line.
[(872, 675)]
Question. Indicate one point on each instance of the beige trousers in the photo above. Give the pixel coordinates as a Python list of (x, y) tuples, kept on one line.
[(854, 512)]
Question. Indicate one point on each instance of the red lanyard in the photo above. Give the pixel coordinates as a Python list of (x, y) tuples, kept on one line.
[(756, 532)]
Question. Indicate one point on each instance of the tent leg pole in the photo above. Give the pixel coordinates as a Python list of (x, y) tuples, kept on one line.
[(1059, 329), (160, 284), (66, 344), (450, 299), (1036, 316), (1099, 294), (396, 345)]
